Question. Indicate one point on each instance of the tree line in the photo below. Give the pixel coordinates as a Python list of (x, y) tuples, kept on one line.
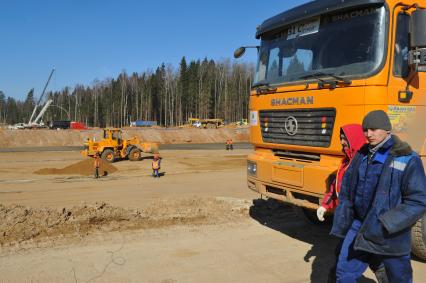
[(201, 89)]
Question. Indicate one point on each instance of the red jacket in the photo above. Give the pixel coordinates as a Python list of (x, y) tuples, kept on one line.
[(356, 139)]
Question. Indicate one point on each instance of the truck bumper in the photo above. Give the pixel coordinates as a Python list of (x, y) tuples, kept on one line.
[(299, 182)]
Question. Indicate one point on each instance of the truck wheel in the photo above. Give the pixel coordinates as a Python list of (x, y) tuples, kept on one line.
[(108, 155), (418, 238), (135, 154)]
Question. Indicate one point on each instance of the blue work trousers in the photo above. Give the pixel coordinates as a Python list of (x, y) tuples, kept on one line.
[(353, 263)]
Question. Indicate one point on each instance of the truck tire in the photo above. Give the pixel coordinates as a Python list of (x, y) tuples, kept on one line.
[(135, 154), (108, 155), (418, 238)]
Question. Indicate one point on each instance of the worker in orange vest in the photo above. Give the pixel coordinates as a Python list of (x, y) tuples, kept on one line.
[(96, 164), (229, 144), (156, 165)]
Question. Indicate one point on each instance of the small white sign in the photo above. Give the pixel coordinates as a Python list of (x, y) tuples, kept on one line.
[(253, 118), (302, 29)]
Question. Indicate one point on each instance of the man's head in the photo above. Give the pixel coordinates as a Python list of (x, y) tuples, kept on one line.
[(376, 126)]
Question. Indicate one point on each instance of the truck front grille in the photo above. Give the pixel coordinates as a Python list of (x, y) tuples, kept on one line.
[(307, 127)]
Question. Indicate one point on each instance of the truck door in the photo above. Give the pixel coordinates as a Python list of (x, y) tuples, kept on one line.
[(403, 109), (407, 109)]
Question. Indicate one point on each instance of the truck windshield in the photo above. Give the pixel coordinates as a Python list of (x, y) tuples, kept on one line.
[(346, 44)]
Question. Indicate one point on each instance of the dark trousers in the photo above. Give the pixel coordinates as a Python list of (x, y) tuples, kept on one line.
[(155, 173), (97, 172), (352, 263)]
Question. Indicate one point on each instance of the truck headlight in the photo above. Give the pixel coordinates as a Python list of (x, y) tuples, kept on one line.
[(251, 168)]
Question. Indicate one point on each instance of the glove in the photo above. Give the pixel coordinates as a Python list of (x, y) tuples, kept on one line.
[(320, 213)]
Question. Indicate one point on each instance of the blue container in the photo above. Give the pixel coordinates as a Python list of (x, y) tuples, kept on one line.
[(142, 123)]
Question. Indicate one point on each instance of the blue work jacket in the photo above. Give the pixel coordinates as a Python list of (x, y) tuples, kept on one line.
[(369, 172), (399, 201)]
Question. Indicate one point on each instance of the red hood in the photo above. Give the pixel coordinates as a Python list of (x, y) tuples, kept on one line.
[(355, 136)]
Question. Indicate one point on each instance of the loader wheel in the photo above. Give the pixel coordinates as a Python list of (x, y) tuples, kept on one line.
[(418, 238), (108, 155), (135, 154)]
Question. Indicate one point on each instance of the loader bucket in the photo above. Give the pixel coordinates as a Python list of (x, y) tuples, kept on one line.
[(150, 147)]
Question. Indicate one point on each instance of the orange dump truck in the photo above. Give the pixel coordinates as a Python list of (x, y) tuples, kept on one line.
[(325, 64)]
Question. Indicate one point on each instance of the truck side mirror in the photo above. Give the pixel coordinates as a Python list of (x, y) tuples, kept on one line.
[(239, 52), (417, 58)]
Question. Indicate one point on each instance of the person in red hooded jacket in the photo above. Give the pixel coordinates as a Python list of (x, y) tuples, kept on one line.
[(352, 139)]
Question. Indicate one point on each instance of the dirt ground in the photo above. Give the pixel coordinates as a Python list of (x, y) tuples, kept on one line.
[(197, 223)]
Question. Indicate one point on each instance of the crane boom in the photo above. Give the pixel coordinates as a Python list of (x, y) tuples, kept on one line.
[(40, 99), (40, 115)]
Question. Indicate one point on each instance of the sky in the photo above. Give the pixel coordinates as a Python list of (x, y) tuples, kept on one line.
[(89, 40)]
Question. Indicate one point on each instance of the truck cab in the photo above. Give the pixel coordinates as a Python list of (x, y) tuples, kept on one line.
[(320, 66)]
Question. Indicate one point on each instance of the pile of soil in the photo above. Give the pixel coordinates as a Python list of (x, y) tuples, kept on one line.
[(19, 224), (84, 168)]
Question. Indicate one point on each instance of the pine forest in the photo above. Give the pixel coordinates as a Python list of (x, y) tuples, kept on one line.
[(169, 95)]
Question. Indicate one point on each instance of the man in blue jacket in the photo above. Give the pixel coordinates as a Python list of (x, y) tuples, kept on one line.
[(383, 194)]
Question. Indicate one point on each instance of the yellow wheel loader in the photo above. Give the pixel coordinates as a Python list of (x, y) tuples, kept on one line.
[(113, 147)]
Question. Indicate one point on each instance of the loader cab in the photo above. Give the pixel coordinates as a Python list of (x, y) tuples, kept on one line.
[(113, 135), (116, 135)]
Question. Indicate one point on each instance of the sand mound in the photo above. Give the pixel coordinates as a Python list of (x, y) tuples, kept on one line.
[(84, 168), (19, 224)]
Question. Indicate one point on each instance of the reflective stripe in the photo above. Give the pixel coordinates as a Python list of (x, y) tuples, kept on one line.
[(398, 165), (401, 162)]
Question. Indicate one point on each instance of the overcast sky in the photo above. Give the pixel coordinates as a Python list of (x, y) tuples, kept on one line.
[(88, 40)]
